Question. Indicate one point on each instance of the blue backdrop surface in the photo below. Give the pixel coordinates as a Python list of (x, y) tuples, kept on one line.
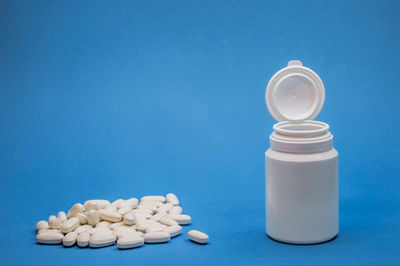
[(114, 99)]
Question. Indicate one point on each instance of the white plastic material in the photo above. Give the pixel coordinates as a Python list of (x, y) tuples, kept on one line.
[(295, 93), (302, 196), (306, 137), (301, 164)]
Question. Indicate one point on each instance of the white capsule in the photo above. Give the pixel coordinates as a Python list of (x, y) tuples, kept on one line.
[(93, 217), (198, 237), (167, 221), (54, 223), (109, 215), (41, 225), (49, 238), (130, 241), (132, 202), (70, 239), (101, 204), (62, 217), (181, 219), (77, 208), (83, 239), (129, 218), (117, 202), (172, 198), (124, 210), (176, 210), (153, 198), (165, 208), (83, 228), (174, 230), (70, 225), (82, 218), (157, 237), (103, 224), (102, 240)]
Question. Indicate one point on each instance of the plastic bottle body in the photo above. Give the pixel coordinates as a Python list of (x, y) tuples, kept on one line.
[(302, 196)]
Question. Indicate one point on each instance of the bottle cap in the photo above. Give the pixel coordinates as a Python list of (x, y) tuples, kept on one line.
[(295, 93)]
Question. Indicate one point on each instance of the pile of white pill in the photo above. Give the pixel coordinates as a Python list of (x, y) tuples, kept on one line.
[(129, 223)]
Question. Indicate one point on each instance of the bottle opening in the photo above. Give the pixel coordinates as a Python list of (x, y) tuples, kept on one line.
[(307, 128)]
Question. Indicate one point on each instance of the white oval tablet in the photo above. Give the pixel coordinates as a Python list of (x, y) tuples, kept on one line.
[(106, 224), (70, 239), (198, 237), (83, 228), (101, 204), (49, 231), (124, 210), (77, 208), (129, 218), (168, 221), (110, 215), (115, 225), (41, 225), (62, 217), (121, 232), (82, 218), (176, 210), (165, 207), (156, 237), (132, 202), (130, 241), (181, 219), (151, 203), (49, 238), (70, 225), (54, 223), (83, 239), (172, 198), (174, 230), (101, 240), (99, 230), (117, 202), (91, 205), (156, 228), (153, 198), (93, 217)]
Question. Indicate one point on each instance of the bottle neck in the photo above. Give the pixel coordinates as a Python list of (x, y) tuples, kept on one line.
[(305, 137)]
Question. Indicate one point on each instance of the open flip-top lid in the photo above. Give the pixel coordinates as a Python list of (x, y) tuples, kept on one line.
[(295, 93)]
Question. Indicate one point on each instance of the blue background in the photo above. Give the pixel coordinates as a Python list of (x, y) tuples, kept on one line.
[(102, 99)]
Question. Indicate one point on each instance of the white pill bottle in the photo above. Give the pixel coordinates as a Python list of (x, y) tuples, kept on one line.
[(301, 164)]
